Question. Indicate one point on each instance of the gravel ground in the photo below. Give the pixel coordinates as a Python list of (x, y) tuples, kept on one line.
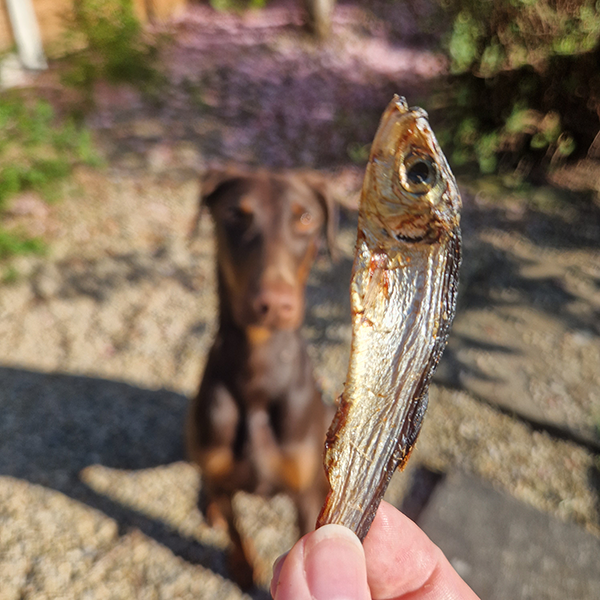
[(103, 341)]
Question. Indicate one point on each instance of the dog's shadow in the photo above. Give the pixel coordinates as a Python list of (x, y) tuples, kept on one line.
[(101, 442)]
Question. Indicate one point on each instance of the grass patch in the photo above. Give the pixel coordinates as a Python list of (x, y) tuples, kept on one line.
[(10, 275), (12, 245), (37, 152)]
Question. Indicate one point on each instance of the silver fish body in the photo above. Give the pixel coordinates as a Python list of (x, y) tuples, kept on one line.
[(403, 296)]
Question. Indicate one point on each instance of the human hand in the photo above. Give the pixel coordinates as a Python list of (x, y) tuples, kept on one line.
[(396, 562)]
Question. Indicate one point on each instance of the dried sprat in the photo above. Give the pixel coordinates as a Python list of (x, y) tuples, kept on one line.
[(403, 295)]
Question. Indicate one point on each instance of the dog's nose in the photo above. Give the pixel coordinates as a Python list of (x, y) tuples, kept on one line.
[(277, 306)]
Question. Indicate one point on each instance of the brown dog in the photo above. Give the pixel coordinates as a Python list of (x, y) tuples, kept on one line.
[(258, 422)]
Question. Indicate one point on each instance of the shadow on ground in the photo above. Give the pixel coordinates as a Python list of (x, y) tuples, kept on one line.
[(55, 425), (528, 308)]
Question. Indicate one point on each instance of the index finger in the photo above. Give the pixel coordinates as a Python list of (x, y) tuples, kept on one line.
[(404, 564)]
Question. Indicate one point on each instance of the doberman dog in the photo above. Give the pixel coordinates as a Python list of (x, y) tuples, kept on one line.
[(258, 422)]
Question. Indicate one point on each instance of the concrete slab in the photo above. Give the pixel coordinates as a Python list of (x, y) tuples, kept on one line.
[(505, 549)]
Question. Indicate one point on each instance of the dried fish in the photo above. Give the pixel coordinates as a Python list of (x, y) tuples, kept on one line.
[(403, 296)]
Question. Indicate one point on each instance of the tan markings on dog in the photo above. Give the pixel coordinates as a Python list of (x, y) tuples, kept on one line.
[(280, 269), (232, 280), (298, 466), (215, 517), (258, 335), (246, 206), (217, 463), (307, 262)]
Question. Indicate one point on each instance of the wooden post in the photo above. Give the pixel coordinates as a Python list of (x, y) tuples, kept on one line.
[(319, 16)]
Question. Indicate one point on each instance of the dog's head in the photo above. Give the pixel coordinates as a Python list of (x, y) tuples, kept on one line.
[(268, 227)]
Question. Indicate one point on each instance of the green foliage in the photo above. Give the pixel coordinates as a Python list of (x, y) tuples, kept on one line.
[(525, 88), (115, 48), (497, 124), (11, 244), (237, 4), (38, 175), (10, 275), (507, 34), (464, 42), (358, 153), (485, 149), (36, 153)]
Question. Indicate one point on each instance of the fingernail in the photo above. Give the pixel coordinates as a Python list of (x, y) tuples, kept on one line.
[(334, 563), (277, 565)]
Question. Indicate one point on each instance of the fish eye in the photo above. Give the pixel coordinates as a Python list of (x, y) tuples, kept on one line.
[(418, 174)]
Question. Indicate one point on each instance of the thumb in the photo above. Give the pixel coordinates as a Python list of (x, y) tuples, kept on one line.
[(326, 564)]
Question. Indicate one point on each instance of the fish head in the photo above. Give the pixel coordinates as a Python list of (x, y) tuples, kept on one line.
[(409, 191)]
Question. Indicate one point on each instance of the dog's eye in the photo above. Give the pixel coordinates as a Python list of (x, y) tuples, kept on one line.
[(238, 220), (304, 220)]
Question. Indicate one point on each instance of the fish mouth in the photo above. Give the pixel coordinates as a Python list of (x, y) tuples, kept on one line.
[(401, 103), (428, 236), (409, 239), (402, 107)]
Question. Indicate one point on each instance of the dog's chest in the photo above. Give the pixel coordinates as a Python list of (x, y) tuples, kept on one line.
[(275, 369)]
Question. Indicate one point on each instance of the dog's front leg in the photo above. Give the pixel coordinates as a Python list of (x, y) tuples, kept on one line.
[(265, 451)]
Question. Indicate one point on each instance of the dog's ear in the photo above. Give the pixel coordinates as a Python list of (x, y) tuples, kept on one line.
[(322, 189), (211, 182)]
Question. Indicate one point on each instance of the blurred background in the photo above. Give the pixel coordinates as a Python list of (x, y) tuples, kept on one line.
[(111, 110)]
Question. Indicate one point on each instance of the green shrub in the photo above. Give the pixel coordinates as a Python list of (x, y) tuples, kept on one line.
[(487, 37), (115, 48), (525, 84)]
